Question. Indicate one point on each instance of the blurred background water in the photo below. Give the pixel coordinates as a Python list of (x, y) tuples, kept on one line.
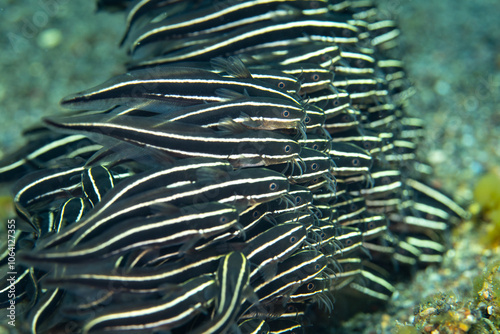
[(452, 55)]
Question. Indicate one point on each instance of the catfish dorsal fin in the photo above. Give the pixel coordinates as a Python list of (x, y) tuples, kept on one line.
[(229, 94), (227, 125), (232, 66), (237, 69), (219, 64), (207, 175)]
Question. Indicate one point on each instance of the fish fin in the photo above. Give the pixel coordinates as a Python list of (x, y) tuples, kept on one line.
[(248, 121), (228, 126), (234, 329), (237, 69), (154, 106), (232, 66), (241, 206), (219, 64), (188, 245), (206, 175), (66, 162), (119, 152), (250, 295), (122, 111), (140, 52), (167, 289), (269, 271), (209, 294), (101, 157), (229, 94), (161, 331), (26, 222), (163, 209)]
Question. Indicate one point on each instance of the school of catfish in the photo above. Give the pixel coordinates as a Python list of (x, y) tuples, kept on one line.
[(253, 164)]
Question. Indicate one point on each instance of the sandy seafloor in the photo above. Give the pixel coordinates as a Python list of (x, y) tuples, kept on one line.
[(51, 48)]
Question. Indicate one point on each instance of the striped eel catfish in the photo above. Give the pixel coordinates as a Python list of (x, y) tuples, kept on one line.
[(173, 310), (252, 165)]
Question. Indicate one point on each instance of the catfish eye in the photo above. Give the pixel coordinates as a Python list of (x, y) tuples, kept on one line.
[(273, 186), (317, 266), (386, 180), (298, 200), (287, 148), (293, 239), (367, 145), (285, 113), (348, 242), (314, 166), (371, 225), (307, 120), (256, 213), (336, 102), (310, 286), (353, 207), (355, 162), (346, 118), (281, 85), (315, 146), (315, 77), (223, 219)]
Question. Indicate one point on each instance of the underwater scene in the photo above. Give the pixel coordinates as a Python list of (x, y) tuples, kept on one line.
[(249, 166)]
